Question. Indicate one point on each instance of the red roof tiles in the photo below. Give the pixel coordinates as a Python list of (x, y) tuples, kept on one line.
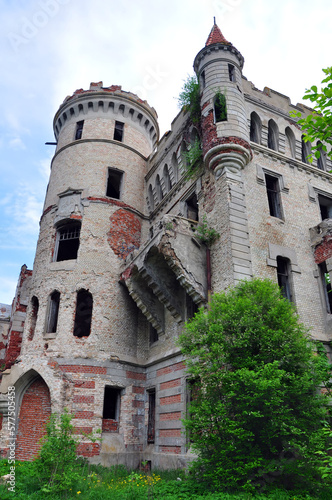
[(216, 36)]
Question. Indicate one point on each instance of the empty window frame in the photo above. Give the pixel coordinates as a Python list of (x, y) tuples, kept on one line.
[(255, 128), (273, 136), (151, 415), (158, 189), (83, 314), (191, 307), (167, 178), (67, 241), (153, 335), (284, 278), (192, 207), (325, 205), (290, 142), (151, 198), (326, 285), (114, 183), (220, 108), (273, 195), (321, 161), (53, 312), (231, 73), (305, 150), (33, 317), (79, 130), (111, 409), (203, 83), (118, 131)]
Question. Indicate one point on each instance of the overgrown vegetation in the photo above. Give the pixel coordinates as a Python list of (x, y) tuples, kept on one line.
[(256, 419), (206, 234), (189, 99), (220, 107), (193, 159), (318, 126)]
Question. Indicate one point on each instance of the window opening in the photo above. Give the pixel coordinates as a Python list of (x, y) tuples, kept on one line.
[(327, 288), (83, 315), (53, 312), (191, 307), (34, 315), (159, 191), (272, 137), (203, 79), (114, 183), (284, 278), (192, 207), (290, 142), (167, 179), (151, 198), (153, 334), (220, 108), (273, 196), (152, 415), (111, 409), (321, 161), (79, 130), (325, 205), (255, 128), (231, 73), (306, 150), (118, 131), (68, 241)]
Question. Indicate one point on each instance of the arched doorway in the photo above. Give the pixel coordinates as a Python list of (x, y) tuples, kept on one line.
[(35, 409)]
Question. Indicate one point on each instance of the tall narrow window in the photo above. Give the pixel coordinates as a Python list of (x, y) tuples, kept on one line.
[(203, 79), (273, 196), (67, 242), (33, 317), (153, 334), (53, 312), (273, 136), (167, 179), (111, 409), (220, 108), (306, 150), (152, 415), (114, 183), (321, 161), (192, 207), (83, 315), (151, 198), (325, 205), (283, 272), (290, 142), (255, 128), (191, 307), (327, 288), (118, 131), (79, 130), (231, 73), (159, 191)]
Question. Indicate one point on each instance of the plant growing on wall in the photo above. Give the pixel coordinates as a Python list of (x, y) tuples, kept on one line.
[(206, 234), (189, 99), (220, 107), (192, 159)]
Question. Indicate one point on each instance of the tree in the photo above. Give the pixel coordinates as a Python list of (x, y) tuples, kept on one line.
[(318, 126), (256, 415)]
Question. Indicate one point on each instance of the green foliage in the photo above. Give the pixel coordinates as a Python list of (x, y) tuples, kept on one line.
[(257, 417), (318, 126), (189, 99), (220, 107), (193, 159), (206, 234)]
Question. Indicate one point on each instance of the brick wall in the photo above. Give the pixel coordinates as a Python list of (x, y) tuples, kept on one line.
[(34, 411)]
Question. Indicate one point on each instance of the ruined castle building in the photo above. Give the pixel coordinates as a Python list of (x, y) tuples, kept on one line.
[(119, 268)]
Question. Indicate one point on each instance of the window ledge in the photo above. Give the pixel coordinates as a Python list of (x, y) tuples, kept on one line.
[(63, 265), (49, 336)]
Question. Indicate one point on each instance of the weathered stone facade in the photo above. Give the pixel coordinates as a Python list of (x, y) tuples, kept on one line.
[(119, 267)]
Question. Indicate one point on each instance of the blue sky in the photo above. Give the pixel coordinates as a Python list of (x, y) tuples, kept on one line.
[(50, 48)]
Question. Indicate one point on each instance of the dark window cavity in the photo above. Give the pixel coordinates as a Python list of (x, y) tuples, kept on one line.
[(220, 108), (159, 191), (273, 136), (83, 315), (192, 207), (283, 272), (231, 73), (33, 317), (114, 183), (151, 198), (203, 80), (325, 205), (53, 312), (321, 161), (273, 195), (306, 150), (167, 178), (191, 307), (290, 138), (118, 131), (152, 415), (68, 241), (153, 334), (111, 409), (255, 128), (79, 130), (327, 288)]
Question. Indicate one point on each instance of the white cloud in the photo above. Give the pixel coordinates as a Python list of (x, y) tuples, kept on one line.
[(16, 143)]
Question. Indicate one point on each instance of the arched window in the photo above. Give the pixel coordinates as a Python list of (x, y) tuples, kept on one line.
[(83, 315), (273, 136), (175, 169), (321, 161), (220, 108), (158, 189), (33, 316), (306, 150), (67, 241), (290, 142), (167, 179), (151, 198), (53, 312), (255, 128)]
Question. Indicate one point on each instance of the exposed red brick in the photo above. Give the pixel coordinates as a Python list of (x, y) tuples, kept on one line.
[(171, 368), (88, 384), (84, 399), (169, 400), (84, 414), (13, 348), (138, 390), (174, 415), (97, 370), (171, 383), (137, 404), (88, 449), (135, 376), (82, 430), (74, 216), (110, 425), (170, 449), (125, 233), (323, 251), (34, 412), (170, 433)]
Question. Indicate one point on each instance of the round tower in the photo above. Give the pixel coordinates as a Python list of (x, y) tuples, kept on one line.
[(92, 219), (224, 125)]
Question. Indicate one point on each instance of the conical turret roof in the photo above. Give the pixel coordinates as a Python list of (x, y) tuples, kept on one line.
[(216, 36)]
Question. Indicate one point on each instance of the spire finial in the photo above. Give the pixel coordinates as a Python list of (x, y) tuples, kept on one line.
[(214, 20)]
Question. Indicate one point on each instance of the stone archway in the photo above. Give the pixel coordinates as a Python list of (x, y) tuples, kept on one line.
[(35, 409)]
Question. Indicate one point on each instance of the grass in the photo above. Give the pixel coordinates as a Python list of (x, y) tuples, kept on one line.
[(117, 483)]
